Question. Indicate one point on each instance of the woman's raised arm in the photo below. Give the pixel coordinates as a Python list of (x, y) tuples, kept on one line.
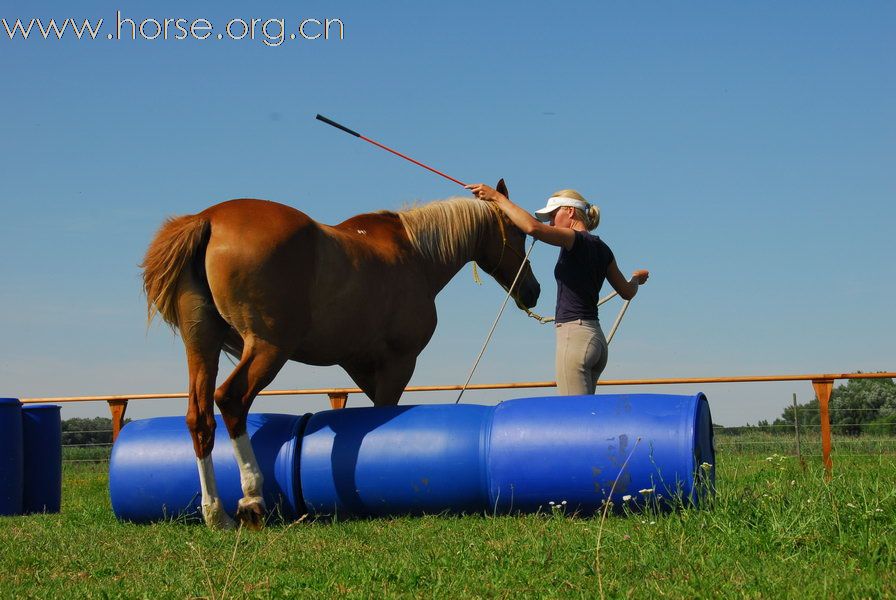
[(555, 236)]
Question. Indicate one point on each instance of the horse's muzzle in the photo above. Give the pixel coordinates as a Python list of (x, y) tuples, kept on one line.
[(528, 293)]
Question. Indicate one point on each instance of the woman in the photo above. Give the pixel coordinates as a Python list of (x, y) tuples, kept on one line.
[(584, 262)]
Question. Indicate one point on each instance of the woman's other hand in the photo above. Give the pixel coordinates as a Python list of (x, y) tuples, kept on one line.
[(641, 276)]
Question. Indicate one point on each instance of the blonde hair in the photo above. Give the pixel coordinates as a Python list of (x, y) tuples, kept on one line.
[(590, 218), (448, 230)]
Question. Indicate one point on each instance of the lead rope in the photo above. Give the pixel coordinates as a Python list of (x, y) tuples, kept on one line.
[(617, 321), (610, 296), (495, 324)]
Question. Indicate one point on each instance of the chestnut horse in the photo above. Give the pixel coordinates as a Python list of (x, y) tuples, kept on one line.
[(266, 283)]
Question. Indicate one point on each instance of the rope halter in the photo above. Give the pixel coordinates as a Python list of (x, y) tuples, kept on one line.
[(499, 215)]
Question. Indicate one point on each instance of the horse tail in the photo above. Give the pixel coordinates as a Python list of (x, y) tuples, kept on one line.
[(178, 245)]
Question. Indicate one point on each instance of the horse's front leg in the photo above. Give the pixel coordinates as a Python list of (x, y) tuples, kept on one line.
[(392, 377)]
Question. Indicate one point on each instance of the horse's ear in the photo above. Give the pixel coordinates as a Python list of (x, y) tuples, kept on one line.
[(502, 188)]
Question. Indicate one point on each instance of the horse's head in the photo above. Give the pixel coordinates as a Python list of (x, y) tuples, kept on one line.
[(504, 252)]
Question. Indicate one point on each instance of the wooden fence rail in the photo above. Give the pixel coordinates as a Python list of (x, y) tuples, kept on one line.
[(822, 383)]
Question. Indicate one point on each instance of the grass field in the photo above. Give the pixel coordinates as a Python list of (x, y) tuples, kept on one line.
[(775, 531)]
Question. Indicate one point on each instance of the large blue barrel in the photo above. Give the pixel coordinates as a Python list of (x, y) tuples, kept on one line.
[(395, 460), (42, 439), (11, 463), (572, 449), (153, 473), (520, 456)]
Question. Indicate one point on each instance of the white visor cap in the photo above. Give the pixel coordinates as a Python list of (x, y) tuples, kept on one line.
[(555, 202)]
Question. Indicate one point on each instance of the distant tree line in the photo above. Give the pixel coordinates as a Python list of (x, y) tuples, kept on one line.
[(80, 431), (859, 406)]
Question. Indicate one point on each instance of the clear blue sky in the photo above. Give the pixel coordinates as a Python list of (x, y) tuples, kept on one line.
[(744, 152)]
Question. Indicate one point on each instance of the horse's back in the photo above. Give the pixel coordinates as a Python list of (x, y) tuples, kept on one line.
[(379, 235)]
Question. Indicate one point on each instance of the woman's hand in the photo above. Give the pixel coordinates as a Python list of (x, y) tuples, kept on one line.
[(641, 276), (484, 192)]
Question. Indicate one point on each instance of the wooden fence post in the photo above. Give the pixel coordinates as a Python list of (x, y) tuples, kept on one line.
[(823, 392), (117, 408), (796, 425), (338, 399)]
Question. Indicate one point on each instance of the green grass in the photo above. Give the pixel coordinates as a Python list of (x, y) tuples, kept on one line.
[(86, 453), (776, 531), (784, 442)]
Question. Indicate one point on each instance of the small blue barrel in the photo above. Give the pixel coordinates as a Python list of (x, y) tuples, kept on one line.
[(576, 449), (42, 438), (153, 473), (11, 461), (395, 460)]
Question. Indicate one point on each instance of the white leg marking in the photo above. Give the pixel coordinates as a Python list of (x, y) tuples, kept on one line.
[(212, 510), (251, 478)]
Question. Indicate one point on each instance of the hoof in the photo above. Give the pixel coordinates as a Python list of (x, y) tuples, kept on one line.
[(251, 512), (215, 518)]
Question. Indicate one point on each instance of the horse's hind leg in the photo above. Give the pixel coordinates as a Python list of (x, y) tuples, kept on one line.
[(259, 364), (203, 331)]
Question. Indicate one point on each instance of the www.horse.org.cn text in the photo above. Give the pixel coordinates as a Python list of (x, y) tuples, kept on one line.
[(271, 32)]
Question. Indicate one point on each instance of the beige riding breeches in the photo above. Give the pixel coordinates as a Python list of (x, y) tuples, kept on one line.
[(581, 356)]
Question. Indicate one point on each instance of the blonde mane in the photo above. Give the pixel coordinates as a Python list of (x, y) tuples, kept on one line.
[(447, 230)]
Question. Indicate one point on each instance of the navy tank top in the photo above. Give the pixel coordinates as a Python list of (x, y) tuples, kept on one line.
[(580, 273)]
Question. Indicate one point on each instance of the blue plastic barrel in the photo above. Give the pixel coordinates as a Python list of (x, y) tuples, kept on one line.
[(572, 449), (42, 442), (11, 465), (153, 474), (520, 456), (395, 460)]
